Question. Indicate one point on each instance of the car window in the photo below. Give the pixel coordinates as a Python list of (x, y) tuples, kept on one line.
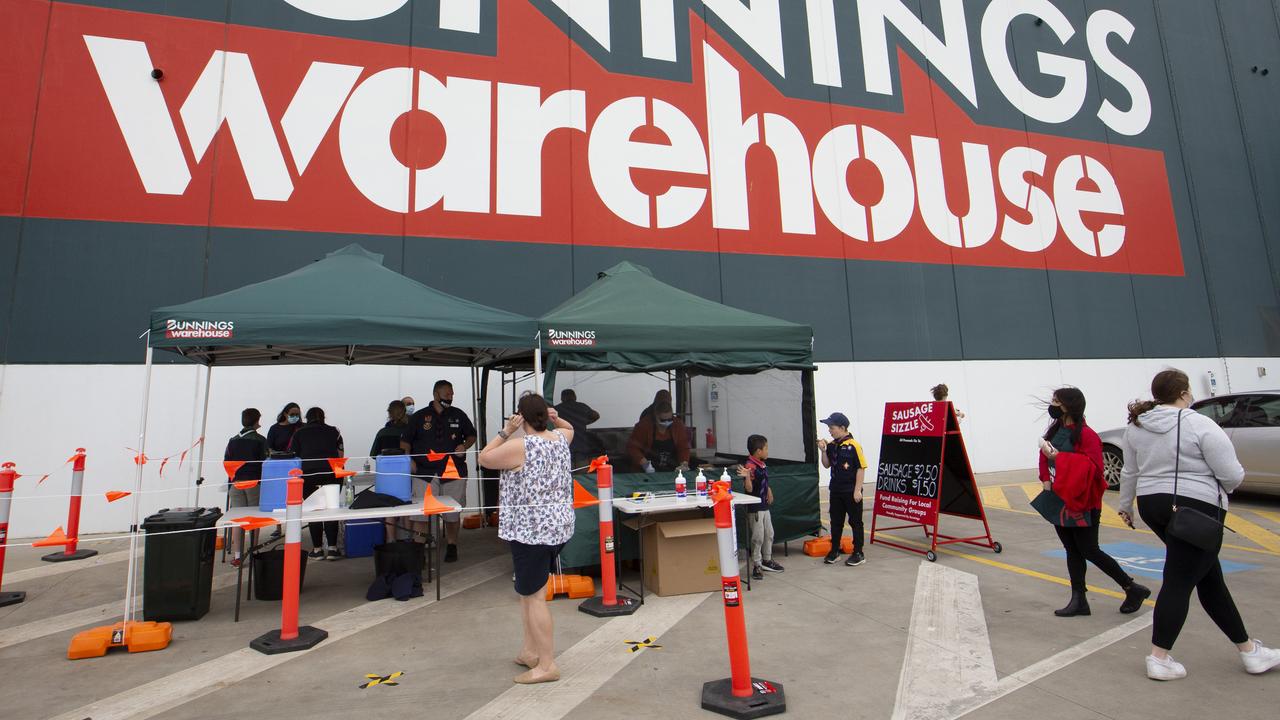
[(1227, 412), (1262, 411)]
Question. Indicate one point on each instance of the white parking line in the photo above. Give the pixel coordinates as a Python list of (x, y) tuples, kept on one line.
[(18, 576), (100, 614), (166, 693), (590, 663)]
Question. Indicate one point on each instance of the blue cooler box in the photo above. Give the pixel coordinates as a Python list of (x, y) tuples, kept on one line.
[(274, 488), (361, 536), (393, 478)]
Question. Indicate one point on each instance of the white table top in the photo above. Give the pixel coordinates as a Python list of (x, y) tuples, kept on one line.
[(669, 503), (410, 510)]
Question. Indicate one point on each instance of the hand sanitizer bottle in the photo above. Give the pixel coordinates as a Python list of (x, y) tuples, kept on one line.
[(681, 486)]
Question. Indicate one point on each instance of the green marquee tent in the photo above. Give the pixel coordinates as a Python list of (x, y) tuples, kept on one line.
[(345, 309), (629, 321)]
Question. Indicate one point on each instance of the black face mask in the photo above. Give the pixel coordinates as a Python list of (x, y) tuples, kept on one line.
[(1055, 412)]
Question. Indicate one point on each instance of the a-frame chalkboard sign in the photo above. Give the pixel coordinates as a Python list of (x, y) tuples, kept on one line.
[(924, 473)]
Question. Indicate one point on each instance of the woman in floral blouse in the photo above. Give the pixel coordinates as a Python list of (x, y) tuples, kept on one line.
[(535, 498)]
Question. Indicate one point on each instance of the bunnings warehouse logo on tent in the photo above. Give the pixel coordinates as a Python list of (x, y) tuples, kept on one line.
[(199, 329), (571, 338)]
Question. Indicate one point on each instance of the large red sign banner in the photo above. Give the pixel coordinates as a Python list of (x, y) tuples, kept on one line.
[(263, 128)]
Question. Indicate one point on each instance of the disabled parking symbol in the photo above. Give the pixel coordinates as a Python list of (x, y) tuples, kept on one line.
[(1148, 560)]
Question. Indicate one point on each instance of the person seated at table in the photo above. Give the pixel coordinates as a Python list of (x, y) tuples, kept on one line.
[(662, 396), (388, 438), (585, 444), (287, 423), (315, 443), (247, 446), (659, 443)]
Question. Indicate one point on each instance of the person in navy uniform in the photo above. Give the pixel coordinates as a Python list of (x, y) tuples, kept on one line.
[(848, 466), (441, 428)]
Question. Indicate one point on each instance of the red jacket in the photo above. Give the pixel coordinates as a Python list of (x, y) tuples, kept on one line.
[(1078, 478)]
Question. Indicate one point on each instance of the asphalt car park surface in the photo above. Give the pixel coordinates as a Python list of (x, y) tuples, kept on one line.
[(972, 635)]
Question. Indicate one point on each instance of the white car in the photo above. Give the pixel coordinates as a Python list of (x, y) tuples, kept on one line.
[(1251, 420)]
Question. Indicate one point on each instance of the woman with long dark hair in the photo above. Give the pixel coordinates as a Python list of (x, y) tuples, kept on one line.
[(315, 443), (1179, 459), (287, 423), (535, 497), (1071, 468)]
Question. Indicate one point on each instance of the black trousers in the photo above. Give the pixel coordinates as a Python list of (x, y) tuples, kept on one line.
[(329, 528), (1081, 544), (843, 506), (1187, 568)]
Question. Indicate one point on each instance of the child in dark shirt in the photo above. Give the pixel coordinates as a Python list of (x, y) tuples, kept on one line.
[(755, 476), (848, 466)]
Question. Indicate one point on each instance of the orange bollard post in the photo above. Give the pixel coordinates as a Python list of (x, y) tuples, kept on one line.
[(290, 637), (740, 695), (70, 552), (609, 604), (7, 476)]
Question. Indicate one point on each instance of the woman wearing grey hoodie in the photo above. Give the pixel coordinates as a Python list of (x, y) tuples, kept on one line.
[(1163, 437)]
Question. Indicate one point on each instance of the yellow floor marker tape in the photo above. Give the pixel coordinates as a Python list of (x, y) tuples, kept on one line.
[(1031, 489), (1254, 532), (994, 497), (1019, 570)]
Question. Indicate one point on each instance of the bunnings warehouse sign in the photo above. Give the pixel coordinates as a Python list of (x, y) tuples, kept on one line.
[(708, 126)]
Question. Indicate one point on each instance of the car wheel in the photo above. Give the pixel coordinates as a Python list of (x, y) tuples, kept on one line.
[(1112, 464)]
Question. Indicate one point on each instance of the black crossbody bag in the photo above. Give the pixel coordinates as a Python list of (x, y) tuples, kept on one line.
[(1191, 525)]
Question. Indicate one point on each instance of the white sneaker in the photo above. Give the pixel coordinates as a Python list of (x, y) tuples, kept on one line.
[(1167, 669), (1261, 659)]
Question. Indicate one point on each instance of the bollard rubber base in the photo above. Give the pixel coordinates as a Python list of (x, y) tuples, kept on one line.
[(271, 644), (766, 699), (595, 607), (12, 598), (63, 556)]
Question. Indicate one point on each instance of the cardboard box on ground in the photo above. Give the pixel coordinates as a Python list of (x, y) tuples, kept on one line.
[(680, 553)]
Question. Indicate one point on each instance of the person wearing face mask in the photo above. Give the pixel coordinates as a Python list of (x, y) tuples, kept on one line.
[(287, 423), (659, 443), (1177, 458), (1071, 468), (410, 407), (441, 428)]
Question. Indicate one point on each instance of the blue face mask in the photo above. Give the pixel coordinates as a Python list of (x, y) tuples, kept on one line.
[(665, 423), (293, 419), (410, 408)]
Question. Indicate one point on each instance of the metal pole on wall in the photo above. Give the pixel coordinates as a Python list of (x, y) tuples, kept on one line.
[(537, 366), (139, 462), (204, 423)]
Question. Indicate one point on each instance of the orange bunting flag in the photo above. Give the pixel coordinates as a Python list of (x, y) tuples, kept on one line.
[(450, 471), (114, 495), (435, 456), (582, 498), (598, 463), (42, 478), (253, 522), (140, 459), (339, 469), (57, 537), (432, 506), (232, 467), (245, 484), (162, 464)]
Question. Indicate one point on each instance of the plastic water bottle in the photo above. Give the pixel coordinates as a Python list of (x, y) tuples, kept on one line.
[(700, 483), (681, 486), (348, 492)]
